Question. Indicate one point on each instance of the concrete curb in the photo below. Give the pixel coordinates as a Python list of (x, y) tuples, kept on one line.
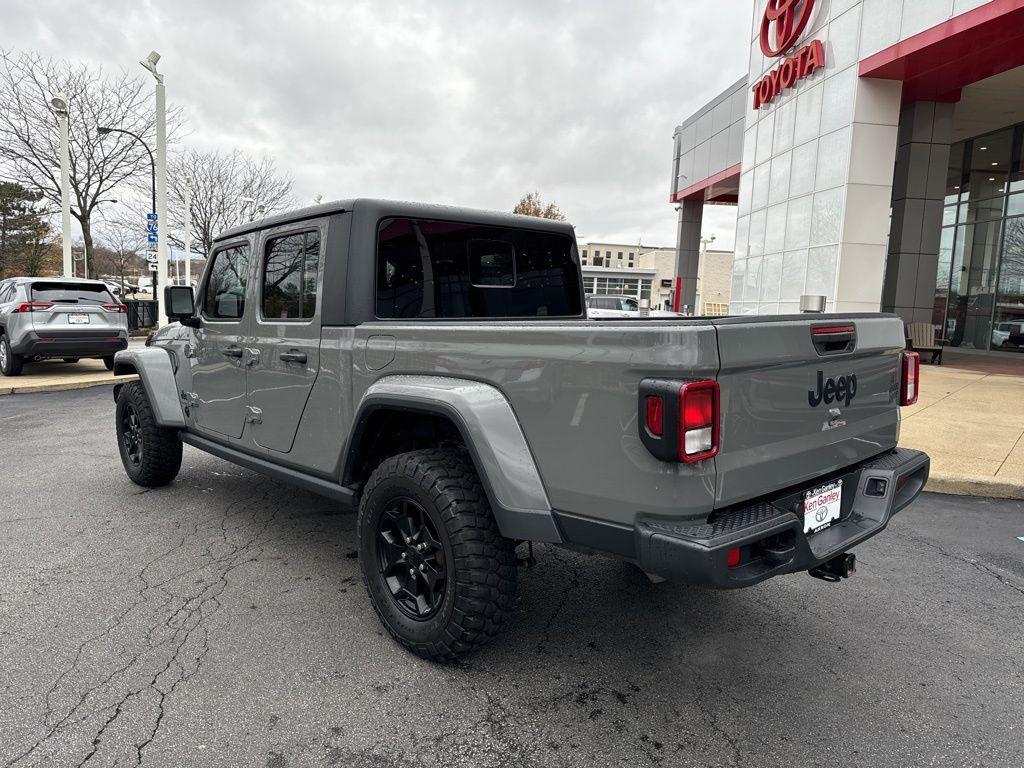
[(62, 386), (964, 485)]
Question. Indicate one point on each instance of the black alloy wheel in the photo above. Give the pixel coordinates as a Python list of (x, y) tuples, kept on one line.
[(131, 434), (411, 559)]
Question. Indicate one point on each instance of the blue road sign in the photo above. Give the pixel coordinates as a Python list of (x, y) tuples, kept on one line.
[(150, 238), (150, 217), (151, 229)]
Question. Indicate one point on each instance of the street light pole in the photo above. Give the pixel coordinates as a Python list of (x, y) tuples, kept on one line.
[(161, 193), (160, 204), (188, 232), (60, 108), (103, 131)]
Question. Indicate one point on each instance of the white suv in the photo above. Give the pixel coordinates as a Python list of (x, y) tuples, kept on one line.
[(54, 317)]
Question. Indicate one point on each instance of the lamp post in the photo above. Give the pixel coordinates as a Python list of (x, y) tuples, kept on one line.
[(103, 131), (188, 232), (149, 64), (60, 108)]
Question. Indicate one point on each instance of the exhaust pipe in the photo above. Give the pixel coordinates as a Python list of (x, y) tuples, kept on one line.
[(839, 567)]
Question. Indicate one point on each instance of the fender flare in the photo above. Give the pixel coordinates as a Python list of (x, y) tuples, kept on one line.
[(491, 432), (155, 369)]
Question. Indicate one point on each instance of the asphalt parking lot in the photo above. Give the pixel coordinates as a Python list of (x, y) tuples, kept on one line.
[(221, 621)]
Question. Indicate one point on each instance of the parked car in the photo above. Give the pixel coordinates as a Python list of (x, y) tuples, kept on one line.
[(1008, 334), (434, 368), (116, 289), (602, 306), (43, 317)]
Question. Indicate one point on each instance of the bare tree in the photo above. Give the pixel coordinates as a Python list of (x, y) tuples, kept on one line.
[(29, 134), (530, 204), (124, 239), (227, 189)]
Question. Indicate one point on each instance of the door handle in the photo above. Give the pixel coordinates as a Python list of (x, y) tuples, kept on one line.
[(232, 352), (293, 357)]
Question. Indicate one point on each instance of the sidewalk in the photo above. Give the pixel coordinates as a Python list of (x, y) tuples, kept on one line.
[(971, 422), (56, 375)]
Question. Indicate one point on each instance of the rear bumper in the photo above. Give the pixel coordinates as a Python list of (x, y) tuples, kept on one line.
[(770, 532), (70, 344)]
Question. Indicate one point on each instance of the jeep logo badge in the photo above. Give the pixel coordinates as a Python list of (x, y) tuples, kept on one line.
[(841, 390)]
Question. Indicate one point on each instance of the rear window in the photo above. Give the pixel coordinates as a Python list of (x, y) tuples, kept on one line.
[(71, 293), (448, 269)]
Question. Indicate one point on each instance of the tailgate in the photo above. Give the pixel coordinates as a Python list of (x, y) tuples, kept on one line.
[(84, 319), (75, 307), (801, 398)]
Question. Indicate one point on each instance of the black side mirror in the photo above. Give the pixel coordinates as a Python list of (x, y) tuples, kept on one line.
[(180, 304)]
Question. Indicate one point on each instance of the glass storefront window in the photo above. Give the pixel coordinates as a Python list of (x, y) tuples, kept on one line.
[(1015, 205), (1017, 164), (990, 158), (978, 286), (942, 279), (618, 286), (955, 176), (969, 311), (1008, 319)]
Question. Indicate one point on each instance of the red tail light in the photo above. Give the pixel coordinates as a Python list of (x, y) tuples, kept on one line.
[(33, 306), (910, 378), (114, 308), (831, 330), (656, 415), (698, 421)]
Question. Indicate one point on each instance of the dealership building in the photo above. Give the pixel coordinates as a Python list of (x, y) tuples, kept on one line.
[(874, 153)]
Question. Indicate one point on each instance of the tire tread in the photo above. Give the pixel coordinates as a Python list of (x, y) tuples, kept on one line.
[(485, 568), (161, 447)]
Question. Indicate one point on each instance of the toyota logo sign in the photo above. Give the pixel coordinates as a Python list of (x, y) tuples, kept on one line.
[(783, 23), (787, 19)]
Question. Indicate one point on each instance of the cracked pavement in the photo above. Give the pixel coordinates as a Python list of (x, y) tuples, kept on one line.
[(221, 621)]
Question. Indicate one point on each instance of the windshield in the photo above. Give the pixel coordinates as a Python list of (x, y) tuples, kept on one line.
[(71, 293)]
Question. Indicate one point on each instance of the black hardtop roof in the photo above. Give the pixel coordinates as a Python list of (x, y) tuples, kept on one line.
[(378, 209)]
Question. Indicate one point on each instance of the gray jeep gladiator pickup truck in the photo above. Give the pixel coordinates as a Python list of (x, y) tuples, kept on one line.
[(435, 369)]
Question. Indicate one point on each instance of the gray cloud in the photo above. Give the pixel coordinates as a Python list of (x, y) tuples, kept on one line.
[(468, 103)]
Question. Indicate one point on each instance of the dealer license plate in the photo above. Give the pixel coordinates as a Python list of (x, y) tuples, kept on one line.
[(822, 506), (78, 319)]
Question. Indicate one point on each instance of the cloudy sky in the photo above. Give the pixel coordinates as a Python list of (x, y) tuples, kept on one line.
[(471, 103)]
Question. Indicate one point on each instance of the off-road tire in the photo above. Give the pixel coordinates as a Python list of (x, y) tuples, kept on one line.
[(71, 359), (480, 563), (159, 453), (108, 362), (10, 363)]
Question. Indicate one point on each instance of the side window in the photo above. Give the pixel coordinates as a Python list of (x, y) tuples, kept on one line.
[(290, 264), (400, 276), (225, 289), (446, 269)]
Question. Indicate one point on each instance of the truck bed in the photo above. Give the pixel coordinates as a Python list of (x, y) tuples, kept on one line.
[(573, 385)]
